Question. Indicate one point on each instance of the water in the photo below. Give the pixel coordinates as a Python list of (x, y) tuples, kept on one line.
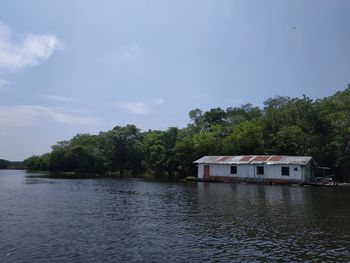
[(110, 220)]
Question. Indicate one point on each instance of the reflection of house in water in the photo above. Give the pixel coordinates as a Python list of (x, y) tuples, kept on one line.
[(237, 199), (257, 168), (284, 196)]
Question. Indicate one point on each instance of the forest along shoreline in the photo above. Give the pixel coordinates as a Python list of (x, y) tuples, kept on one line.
[(283, 126)]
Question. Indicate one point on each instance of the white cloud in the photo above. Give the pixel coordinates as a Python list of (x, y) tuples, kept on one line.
[(131, 53), (135, 108), (18, 116), (3, 84), (139, 107), (30, 115), (58, 98), (159, 101), (16, 54)]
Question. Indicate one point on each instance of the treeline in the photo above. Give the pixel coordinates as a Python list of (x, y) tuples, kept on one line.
[(5, 164), (283, 126)]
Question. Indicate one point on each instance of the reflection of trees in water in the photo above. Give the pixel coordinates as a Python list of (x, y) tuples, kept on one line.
[(299, 220)]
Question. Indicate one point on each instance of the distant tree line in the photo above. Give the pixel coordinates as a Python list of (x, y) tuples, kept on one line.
[(283, 126), (5, 164)]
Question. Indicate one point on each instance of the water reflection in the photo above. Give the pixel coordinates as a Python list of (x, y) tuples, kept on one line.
[(101, 220), (270, 220)]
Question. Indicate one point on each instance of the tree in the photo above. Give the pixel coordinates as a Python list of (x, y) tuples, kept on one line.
[(214, 117), (38, 163), (120, 146), (209, 142), (291, 140), (4, 164), (184, 153), (247, 138), (154, 152)]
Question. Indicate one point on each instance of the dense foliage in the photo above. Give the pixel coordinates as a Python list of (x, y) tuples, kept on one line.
[(5, 164), (284, 126)]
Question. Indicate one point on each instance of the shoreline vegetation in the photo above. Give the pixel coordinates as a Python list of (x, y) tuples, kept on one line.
[(283, 126), (5, 164)]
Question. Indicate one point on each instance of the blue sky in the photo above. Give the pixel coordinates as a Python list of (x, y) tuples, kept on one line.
[(69, 67)]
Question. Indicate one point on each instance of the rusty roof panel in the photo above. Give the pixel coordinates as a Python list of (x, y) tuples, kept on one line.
[(275, 158), (260, 159), (223, 158), (246, 158)]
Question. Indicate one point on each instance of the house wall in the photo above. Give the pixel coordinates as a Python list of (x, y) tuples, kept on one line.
[(225, 170), (200, 170), (245, 171), (220, 170), (275, 172), (249, 172), (308, 172)]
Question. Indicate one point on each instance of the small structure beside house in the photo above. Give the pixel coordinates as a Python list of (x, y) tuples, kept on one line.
[(257, 168)]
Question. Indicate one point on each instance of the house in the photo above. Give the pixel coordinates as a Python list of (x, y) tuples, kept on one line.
[(257, 168)]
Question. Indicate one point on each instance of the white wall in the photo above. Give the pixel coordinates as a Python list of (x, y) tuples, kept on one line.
[(249, 171), (220, 170), (275, 172), (245, 171), (200, 170)]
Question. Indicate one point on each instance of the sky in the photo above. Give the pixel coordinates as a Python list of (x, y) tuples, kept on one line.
[(84, 66)]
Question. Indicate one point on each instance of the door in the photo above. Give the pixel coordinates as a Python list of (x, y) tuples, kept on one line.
[(206, 171)]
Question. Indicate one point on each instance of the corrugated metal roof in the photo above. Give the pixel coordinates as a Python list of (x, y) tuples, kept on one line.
[(223, 158), (260, 158), (255, 159), (246, 158), (275, 158)]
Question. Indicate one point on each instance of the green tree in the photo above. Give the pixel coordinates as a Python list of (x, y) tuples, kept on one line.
[(246, 138), (121, 149), (291, 140), (155, 153), (4, 164)]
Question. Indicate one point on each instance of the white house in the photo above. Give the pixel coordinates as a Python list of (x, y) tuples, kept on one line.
[(257, 168)]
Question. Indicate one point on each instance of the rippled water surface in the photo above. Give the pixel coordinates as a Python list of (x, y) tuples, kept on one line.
[(111, 220)]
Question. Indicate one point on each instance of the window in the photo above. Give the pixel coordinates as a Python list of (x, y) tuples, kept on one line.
[(296, 169), (260, 170), (285, 171), (233, 169)]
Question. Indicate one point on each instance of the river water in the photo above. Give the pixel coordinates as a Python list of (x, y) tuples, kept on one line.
[(116, 220)]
